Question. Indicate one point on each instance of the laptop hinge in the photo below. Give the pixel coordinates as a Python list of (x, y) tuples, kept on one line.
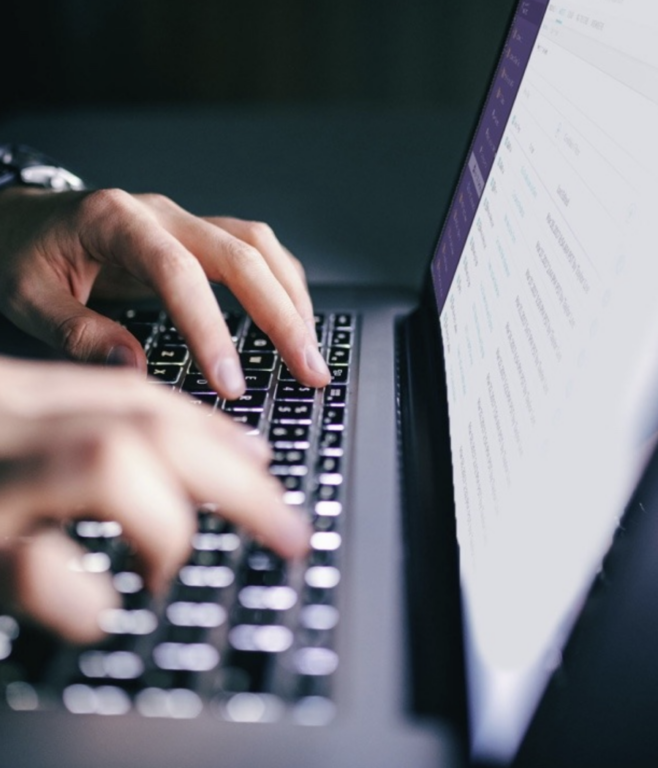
[(432, 573)]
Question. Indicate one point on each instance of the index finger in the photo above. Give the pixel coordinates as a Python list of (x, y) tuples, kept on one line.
[(260, 284), (143, 247)]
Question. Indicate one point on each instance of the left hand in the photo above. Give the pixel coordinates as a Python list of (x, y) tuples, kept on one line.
[(55, 246)]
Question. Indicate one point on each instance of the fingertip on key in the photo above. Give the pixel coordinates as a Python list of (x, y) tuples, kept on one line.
[(230, 378)]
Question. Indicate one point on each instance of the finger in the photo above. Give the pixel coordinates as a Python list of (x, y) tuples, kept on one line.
[(59, 319), (285, 267), (243, 269), (49, 583), (110, 393), (136, 241), (105, 469), (243, 492)]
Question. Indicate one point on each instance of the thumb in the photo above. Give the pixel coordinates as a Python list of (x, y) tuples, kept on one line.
[(80, 333)]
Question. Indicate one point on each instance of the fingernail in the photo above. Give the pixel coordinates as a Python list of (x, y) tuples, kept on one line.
[(121, 356), (229, 375), (315, 361)]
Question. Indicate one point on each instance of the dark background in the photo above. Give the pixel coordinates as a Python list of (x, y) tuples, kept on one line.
[(63, 53), (342, 123)]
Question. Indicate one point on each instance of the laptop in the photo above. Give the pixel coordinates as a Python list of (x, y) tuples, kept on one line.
[(465, 473)]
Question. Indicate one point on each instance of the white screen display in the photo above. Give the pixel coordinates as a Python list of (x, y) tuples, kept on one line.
[(550, 333)]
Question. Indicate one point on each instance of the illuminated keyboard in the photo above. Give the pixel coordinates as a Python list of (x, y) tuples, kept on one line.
[(241, 631)]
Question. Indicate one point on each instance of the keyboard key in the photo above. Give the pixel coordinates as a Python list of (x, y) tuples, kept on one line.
[(324, 522), (339, 356), (194, 382), (292, 413), (118, 621), (250, 419), (341, 339), (209, 522), (319, 617), (169, 355), (333, 418), (331, 443), (325, 541), (267, 598), (197, 576), (289, 457), (328, 465), (344, 321), (204, 398), (315, 661), (268, 639), (170, 338), (250, 401), (257, 379), (265, 569), (211, 542), (293, 391), (117, 665), (322, 577), (292, 483), (339, 374), (289, 435), (257, 343), (208, 557), (196, 657), (288, 462), (285, 375), (335, 394), (257, 361), (326, 493), (328, 508), (264, 560), (184, 614), (164, 374)]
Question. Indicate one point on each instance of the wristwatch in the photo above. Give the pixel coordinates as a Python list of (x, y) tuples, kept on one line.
[(24, 166)]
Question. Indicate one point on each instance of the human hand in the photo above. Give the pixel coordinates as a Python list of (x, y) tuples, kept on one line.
[(54, 247), (104, 444)]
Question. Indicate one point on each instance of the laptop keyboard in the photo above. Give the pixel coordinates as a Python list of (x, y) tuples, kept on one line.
[(242, 631)]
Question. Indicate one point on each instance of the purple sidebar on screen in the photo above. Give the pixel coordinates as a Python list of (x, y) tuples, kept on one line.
[(482, 153)]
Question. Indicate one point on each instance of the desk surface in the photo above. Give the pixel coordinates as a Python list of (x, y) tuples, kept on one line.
[(357, 194)]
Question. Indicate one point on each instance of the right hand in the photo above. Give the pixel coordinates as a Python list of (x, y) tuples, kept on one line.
[(83, 442)]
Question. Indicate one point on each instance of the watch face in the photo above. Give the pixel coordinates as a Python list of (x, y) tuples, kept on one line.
[(23, 165)]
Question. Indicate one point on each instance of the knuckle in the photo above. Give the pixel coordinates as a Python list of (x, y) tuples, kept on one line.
[(241, 258), (259, 233), (174, 265), (99, 455), (105, 201), (156, 200), (75, 337)]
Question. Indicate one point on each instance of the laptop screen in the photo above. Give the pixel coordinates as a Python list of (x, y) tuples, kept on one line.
[(545, 278)]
